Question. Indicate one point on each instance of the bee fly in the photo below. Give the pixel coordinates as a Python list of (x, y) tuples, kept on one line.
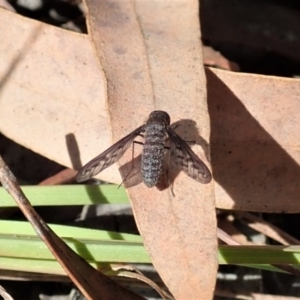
[(155, 132)]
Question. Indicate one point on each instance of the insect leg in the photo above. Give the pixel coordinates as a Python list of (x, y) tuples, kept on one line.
[(170, 184), (175, 127)]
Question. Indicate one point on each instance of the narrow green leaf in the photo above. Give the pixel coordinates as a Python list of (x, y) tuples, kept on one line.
[(58, 195)]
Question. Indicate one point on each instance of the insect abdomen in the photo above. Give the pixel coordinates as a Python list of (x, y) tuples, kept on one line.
[(153, 153)]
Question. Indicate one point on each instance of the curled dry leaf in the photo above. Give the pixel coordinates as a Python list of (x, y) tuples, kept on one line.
[(131, 272), (4, 294)]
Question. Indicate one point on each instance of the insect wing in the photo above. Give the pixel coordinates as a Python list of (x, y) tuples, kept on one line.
[(187, 160), (108, 157)]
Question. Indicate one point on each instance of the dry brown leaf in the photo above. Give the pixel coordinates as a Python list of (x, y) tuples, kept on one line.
[(61, 112), (252, 116), (254, 141), (129, 271), (267, 228), (153, 61), (52, 90), (242, 108), (64, 176), (213, 58), (229, 234), (6, 5)]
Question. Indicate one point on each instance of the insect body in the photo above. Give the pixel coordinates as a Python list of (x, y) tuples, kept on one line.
[(155, 132), (154, 146)]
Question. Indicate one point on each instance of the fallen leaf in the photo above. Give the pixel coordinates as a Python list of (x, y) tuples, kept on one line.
[(255, 141), (73, 105), (64, 176), (155, 63), (235, 106), (267, 229), (213, 58), (52, 90)]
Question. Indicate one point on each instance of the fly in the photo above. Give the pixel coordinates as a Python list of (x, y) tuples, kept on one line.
[(155, 132)]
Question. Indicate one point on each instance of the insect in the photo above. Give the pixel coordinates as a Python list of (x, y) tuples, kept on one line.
[(155, 132)]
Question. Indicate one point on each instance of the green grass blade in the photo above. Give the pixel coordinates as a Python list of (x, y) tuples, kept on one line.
[(58, 195), (259, 255)]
